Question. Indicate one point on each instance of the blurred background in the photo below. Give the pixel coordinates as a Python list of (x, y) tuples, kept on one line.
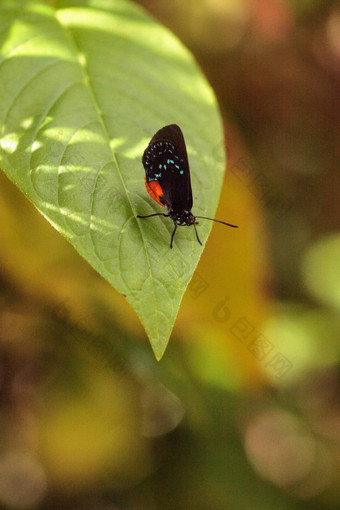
[(243, 411)]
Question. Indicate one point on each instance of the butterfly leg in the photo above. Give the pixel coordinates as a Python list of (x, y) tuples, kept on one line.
[(173, 234), (155, 214), (198, 239)]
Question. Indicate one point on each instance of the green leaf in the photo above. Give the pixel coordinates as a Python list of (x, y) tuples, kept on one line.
[(83, 87)]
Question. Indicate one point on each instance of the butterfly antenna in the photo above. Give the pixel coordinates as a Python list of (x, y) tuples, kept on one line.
[(217, 221)]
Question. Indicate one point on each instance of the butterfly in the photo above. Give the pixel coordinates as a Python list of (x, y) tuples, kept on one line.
[(167, 178)]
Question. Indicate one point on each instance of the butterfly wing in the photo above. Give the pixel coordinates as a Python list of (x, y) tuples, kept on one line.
[(167, 174)]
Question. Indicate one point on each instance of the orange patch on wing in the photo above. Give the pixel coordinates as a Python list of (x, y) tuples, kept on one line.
[(155, 191)]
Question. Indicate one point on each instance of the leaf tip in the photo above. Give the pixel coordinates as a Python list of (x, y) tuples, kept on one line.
[(159, 354), (159, 350)]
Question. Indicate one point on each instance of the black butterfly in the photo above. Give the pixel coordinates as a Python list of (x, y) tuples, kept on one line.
[(167, 178)]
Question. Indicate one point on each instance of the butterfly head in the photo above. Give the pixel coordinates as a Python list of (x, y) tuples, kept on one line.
[(183, 218)]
